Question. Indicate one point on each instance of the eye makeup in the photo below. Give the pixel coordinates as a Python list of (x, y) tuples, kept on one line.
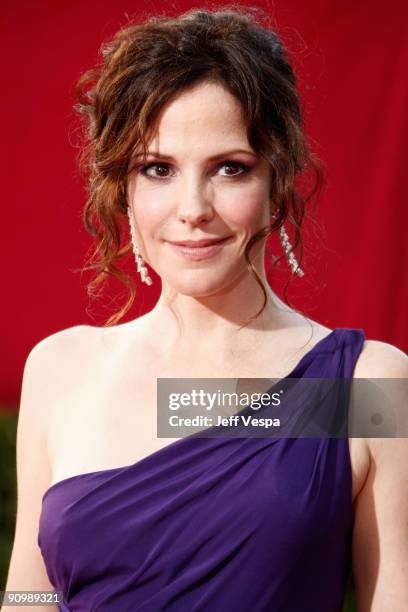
[(245, 168)]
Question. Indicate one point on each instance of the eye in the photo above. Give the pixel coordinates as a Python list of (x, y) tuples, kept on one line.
[(232, 164), (162, 168), (144, 170)]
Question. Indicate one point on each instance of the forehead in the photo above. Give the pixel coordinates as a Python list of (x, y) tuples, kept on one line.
[(205, 115)]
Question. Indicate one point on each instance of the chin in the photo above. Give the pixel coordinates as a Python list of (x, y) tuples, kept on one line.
[(200, 284)]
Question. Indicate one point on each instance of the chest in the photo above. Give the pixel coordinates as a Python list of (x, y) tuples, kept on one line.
[(110, 420), (204, 511)]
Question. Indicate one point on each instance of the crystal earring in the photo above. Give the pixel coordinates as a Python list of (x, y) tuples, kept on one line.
[(141, 268), (287, 247)]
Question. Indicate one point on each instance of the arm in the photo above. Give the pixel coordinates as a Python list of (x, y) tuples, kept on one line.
[(380, 536), (27, 569)]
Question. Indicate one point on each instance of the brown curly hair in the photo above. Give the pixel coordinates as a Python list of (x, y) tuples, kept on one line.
[(142, 68)]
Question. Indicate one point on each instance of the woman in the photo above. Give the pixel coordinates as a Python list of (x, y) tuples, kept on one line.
[(195, 134)]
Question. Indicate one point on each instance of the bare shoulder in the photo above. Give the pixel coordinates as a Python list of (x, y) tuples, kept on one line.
[(380, 538), (64, 360), (44, 373), (55, 363), (62, 340), (63, 349), (381, 360)]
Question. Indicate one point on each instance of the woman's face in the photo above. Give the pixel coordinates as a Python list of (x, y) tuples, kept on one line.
[(201, 180)]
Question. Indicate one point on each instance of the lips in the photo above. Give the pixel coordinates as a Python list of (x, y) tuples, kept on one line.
[(201, 249), (199, 243)]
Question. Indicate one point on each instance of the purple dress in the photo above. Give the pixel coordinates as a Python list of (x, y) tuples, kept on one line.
[(211, 524)]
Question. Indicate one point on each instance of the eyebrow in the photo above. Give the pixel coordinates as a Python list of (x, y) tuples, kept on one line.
[(212, 158)]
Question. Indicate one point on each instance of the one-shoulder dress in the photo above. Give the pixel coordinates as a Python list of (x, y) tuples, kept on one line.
[(210, 524)]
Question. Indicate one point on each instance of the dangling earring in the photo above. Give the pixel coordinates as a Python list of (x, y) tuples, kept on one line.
[(287, 247), (141, 268)]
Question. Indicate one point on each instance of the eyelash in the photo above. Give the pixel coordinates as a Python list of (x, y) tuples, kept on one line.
[(143, 169)]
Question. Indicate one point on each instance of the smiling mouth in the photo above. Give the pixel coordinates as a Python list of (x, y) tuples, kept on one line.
[(199, 243), (206, 248)]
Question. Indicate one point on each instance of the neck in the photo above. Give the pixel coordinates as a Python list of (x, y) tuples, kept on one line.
[(199, 324)]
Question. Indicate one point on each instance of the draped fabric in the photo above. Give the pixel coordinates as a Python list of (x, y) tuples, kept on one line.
[(210, 524)]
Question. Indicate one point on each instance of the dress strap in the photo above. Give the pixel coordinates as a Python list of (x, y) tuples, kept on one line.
[(350, 345)]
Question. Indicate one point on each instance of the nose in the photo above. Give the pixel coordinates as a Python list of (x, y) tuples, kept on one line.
[(195, 206)]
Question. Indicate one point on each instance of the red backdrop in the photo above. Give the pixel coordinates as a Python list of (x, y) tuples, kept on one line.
[(351, 60)]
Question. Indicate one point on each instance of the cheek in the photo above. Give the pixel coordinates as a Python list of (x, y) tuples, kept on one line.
[(249, 211), (245, 210), (149, 210)]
